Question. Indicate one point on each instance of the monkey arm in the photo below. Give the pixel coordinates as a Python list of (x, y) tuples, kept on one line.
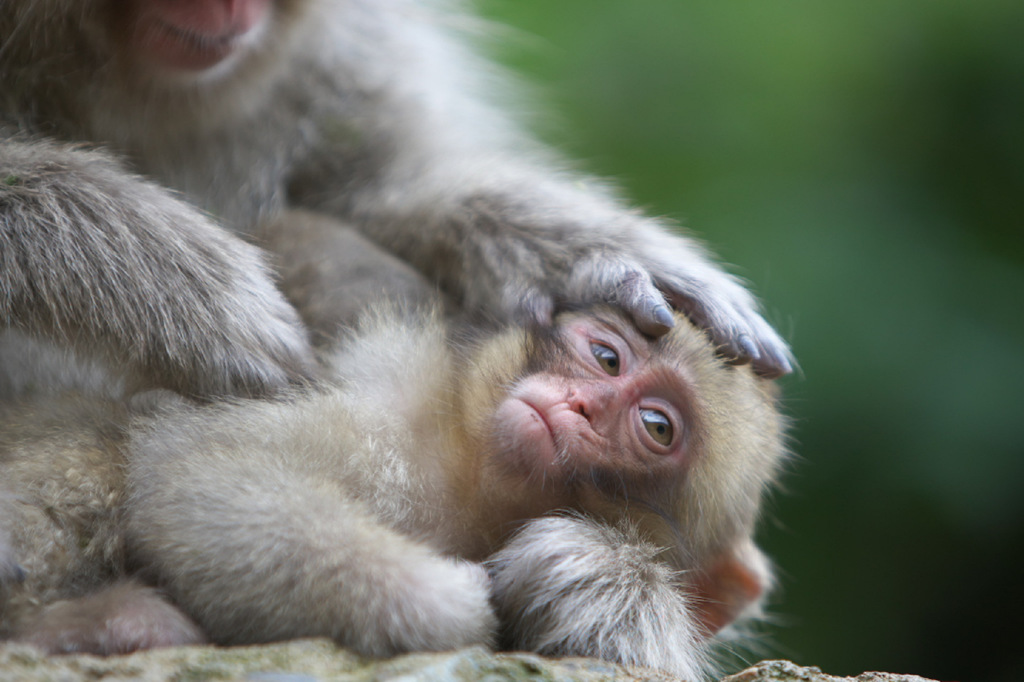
[(255, 547), (510, 234), (571, 586), (333, 274), (452, 186), (119, 269), (541, 242)]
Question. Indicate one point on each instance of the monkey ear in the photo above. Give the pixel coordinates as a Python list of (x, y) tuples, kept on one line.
[(732, 584)]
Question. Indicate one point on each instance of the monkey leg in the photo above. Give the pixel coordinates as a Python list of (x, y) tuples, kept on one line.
[(122, 618), (573, 587), (256, 550)]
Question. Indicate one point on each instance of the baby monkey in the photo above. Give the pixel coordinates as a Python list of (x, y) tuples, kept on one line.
[(574, 490)]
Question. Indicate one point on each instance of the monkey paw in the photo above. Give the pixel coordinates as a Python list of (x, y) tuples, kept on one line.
[(569, 586), (260, 344), (222, 327), (441, 604), (729, 313), (672, 273)]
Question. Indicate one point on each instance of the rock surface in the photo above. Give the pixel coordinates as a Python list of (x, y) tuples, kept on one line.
[(321, 661), (785, 671), (305, 661)]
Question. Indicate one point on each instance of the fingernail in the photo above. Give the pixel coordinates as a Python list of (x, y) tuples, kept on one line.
[(663, 316), (785, 366), (748, 346)]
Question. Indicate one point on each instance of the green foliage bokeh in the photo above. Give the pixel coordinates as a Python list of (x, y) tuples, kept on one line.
[(861, 162)]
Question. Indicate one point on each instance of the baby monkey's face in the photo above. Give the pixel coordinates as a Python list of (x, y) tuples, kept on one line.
[(603, 402), (591, 415)]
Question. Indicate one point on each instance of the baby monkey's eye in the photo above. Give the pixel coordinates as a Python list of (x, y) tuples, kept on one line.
[(658, 425), (606, 357)]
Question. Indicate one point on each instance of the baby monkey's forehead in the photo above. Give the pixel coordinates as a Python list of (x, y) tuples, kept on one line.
[(685, 335)]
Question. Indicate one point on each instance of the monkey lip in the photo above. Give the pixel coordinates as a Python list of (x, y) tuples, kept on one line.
[(196, 35), (526, 432), (186, 50), (538, 413), (551, 428)]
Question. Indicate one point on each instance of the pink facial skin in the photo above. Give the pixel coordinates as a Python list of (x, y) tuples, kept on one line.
[(609, 407), (196, 35)]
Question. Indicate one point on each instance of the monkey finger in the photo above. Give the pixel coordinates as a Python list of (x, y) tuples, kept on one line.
[(780, 363), (748, 347), (733, 323), (640, 298), (622, 283), (765, 350)]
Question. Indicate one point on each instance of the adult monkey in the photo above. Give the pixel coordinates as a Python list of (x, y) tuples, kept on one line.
[(366, 110)]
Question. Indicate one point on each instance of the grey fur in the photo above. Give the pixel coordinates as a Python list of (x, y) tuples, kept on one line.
[(63, 482), (114, 267), (332, 274), (368, 110)]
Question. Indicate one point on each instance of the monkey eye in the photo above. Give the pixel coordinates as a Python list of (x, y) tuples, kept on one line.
[(607, 358), (658, 425)]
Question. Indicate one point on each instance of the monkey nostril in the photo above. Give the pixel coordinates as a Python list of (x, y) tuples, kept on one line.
[(578, 405)]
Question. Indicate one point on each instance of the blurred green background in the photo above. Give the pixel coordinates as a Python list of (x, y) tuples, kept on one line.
[(861, 162)]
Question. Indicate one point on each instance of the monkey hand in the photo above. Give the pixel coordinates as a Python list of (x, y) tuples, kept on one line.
[(434, 603), (243, 337), (573, 587), (666, 268), (120, 269), (542, 258)]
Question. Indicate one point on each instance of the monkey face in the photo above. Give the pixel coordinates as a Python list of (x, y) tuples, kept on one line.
[(602, 419), (601, 407)]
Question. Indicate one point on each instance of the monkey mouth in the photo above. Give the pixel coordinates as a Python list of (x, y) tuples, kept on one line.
[(526, 435), (187, 50), (561, 434), (537, 416), (179, 47), (197, 35)]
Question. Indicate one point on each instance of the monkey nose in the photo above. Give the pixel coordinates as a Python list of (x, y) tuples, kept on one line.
[(589, 402), (578, 404)]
